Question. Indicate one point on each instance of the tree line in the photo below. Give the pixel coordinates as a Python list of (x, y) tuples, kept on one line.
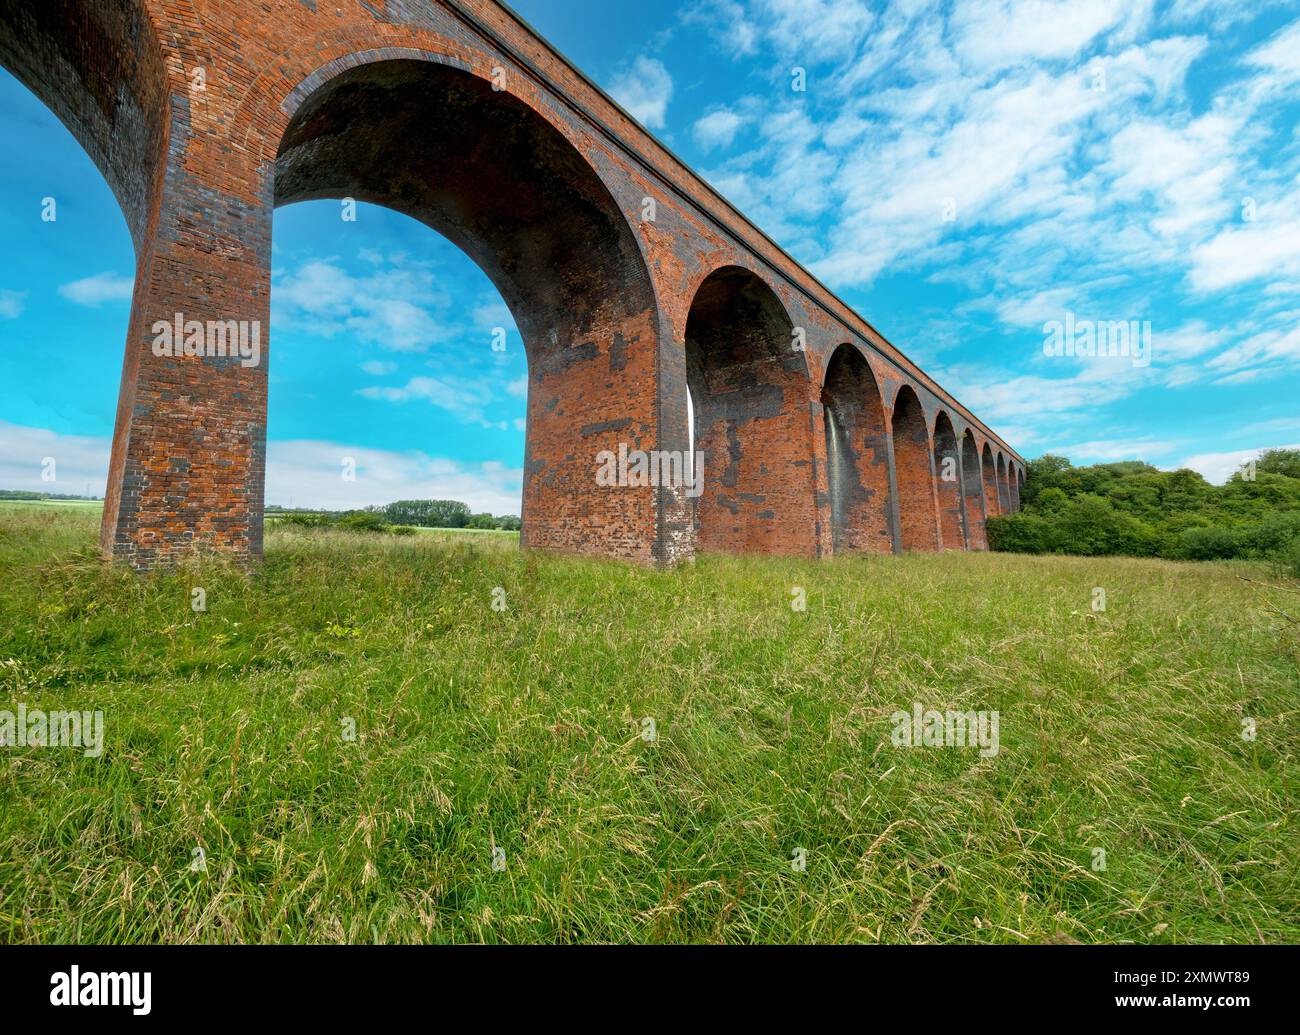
[(1135, 509), (402, 517)]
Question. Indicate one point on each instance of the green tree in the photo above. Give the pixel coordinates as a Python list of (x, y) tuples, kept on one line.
[(1280, 461)]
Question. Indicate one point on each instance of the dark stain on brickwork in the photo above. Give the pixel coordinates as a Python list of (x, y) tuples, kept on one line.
[(947, 469), (914, 473), (857, 456)]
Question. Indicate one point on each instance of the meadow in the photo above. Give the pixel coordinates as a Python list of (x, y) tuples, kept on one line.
[(353, 745)]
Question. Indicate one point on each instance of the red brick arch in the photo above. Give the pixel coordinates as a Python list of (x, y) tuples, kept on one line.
[(918, 522), (857, 455), (947, 473), (973, 491), (749, 386), (989, 473), (482, 167)]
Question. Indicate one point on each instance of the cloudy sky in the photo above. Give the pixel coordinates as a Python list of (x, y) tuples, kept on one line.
[(963, 173)]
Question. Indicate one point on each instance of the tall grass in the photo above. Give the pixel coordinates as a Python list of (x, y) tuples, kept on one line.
[(524, 730)]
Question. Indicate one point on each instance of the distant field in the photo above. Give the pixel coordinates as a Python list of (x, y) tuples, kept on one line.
[(231, 804), (95, 505)]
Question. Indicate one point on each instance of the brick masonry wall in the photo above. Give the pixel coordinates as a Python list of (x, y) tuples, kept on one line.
[(913, 451), (204, 115), (947, 468), (857, 447), (973, 490)]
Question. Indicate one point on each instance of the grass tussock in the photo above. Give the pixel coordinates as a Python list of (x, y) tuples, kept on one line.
[(524, 730)]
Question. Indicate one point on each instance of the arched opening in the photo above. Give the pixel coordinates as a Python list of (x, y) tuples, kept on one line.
[(65, 302), (1013, 483), (393, 348), (99, 68), (1020, 485), (992, 508), (947, 470), (857, 456), (973, 490), (495, 178), (749, 390), (1004, 491), (914, 474)]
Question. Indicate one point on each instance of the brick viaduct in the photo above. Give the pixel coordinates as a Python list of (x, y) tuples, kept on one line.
[(819, 436)]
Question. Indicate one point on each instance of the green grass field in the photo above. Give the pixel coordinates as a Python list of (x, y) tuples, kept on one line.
[(523, 730)]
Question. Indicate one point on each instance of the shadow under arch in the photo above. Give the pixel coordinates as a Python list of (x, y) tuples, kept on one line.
[(1004, 491), (436, 142), (914, 473), (857, 455), (947, 474), (973, 490), (749, 388), (988, 472)]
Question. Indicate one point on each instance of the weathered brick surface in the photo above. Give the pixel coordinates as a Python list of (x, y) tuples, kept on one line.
[(454, 112), (915, 474), (992, 505), (748, 385), (1004, 489), (857, 450), (973, 491), (947, 466)]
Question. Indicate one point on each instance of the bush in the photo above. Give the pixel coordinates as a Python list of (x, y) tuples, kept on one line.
[(483, 521), (1286, 561), (1274, 534), (1020, 533), (307, 520), (1090, 525), (1212, 543), (364, 521)]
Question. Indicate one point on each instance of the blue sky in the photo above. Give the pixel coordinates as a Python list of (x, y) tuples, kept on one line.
[(961, 173)]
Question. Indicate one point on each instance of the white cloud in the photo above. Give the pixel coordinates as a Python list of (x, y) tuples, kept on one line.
[(399, 308), (718, 128), (101, 288), (1266, 248), (301, 471), (306, 473), (1280, 55), (518, 387), (1104, 451), (79, 460), (1219, 467), (465, 399), (995, 34), (833, 29), (644, 91), (1280, 344), (12, 304), (378, 368), (729, 23)]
